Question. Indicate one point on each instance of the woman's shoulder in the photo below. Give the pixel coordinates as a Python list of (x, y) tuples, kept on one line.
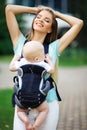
[(53, 50), (19, 44), (54, 43), (21, 38)]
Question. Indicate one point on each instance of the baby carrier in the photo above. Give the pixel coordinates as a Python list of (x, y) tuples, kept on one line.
[(34, 78), (31, 86)]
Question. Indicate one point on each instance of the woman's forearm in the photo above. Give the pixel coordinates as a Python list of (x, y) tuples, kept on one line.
[(71, 20), (17, 9), (12, 66), (11, 11), (76, 25)]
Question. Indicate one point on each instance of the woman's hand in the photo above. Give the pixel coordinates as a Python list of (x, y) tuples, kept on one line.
[(40, 8), (11, 11), (76, 25)]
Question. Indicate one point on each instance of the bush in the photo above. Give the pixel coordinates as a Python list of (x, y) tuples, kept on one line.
[(73, 57), (6, 47), (5, 41)]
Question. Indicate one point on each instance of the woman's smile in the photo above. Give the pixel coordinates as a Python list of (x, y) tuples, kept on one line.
[(39, 24)]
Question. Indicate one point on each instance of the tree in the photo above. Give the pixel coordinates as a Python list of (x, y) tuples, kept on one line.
[(79, 9), (5, 41), (3, 28)]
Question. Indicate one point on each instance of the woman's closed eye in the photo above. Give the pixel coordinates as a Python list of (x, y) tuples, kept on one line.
[(45, 19)]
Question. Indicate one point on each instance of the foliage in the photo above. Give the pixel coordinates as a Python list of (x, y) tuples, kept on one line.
[(73, 57), (79, 9), (6, 47), (5, 41), (3, 28), (6, 58)]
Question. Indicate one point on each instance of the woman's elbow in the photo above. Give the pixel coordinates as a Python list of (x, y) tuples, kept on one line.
[(8, 8), (12, 68), (80, 23), (78, 26)]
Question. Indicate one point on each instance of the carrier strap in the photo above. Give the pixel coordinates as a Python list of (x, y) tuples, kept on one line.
[(55, 85)]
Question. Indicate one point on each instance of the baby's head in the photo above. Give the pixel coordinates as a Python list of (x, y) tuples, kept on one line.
[(33, 51)]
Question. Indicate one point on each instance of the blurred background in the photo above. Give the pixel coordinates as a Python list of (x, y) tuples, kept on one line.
[(72, 65), (72, 7)]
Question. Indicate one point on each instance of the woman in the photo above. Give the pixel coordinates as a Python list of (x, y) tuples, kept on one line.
[(44, 30)]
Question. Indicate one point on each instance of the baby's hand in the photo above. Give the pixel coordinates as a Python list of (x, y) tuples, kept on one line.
[(35, 127), (48, 58), (29, 126)]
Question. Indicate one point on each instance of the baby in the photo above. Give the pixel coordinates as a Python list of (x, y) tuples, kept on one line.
[(33, 53)]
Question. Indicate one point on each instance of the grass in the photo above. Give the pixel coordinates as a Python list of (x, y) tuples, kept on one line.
[(6, 110)]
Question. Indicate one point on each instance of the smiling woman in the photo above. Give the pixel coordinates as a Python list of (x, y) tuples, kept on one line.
[(44, 29), (43, 21)]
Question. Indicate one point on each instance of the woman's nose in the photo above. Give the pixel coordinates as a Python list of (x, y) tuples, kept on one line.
[(41, 19)]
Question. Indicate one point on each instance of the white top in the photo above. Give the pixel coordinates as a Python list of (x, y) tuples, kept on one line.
[(23, 61)]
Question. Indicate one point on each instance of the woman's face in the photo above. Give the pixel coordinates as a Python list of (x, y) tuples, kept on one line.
[(43, 22)]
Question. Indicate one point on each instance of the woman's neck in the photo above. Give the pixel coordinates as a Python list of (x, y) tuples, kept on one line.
[(39, 36)]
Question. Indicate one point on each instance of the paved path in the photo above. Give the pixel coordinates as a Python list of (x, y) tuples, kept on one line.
[(5, 76), (73, 90)]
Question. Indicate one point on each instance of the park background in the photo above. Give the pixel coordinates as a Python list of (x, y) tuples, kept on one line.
[(72, 65)]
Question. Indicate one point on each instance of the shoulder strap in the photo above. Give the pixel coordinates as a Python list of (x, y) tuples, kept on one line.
[(24, 44), (55, 85), (46, 47)]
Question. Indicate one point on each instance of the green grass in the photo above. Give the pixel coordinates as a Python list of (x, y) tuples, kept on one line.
[(6, 110)]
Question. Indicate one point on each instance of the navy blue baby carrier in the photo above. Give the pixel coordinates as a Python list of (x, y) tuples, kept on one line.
[(32, 84)]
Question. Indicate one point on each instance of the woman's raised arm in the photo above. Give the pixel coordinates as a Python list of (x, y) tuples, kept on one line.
[(12, 24), (76, 25)]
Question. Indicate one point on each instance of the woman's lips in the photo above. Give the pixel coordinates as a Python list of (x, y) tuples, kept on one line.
[(39, 24)]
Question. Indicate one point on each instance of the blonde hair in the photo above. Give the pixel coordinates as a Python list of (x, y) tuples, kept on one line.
[(32, 50)]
